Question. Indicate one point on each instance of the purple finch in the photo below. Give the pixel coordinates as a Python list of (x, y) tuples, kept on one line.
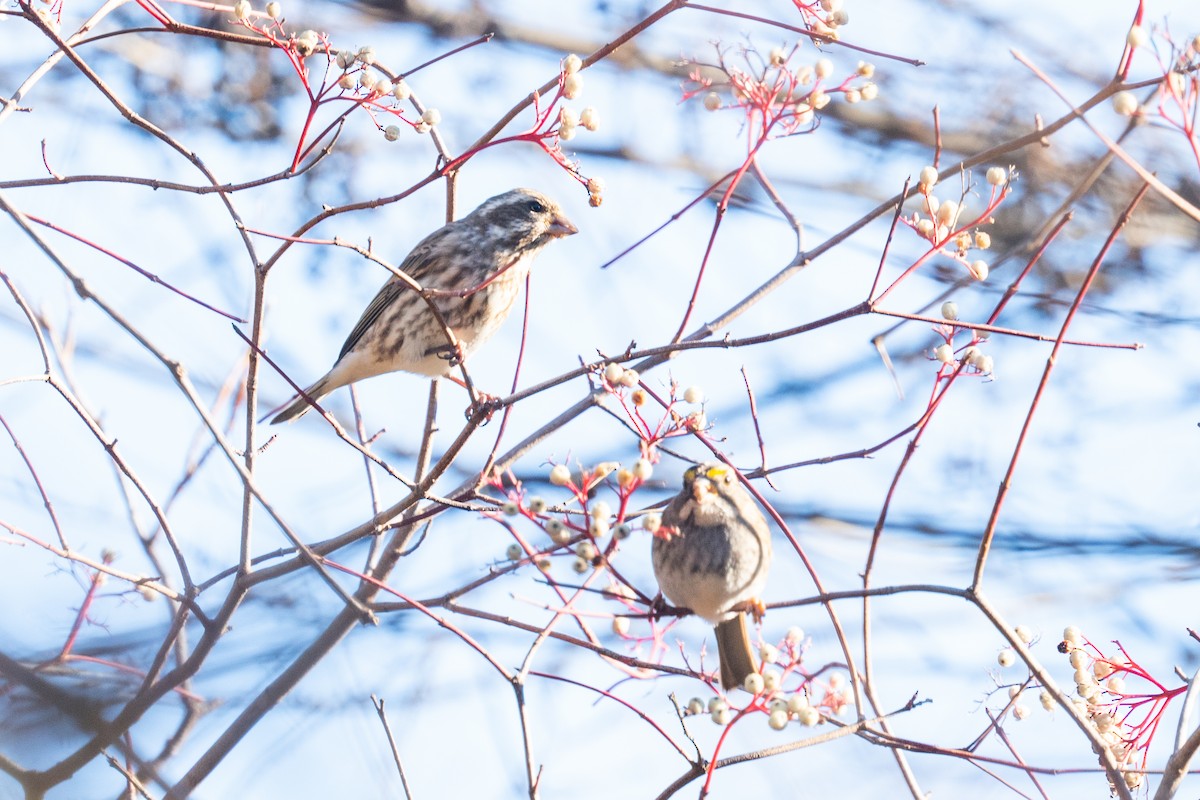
[(472, 269)]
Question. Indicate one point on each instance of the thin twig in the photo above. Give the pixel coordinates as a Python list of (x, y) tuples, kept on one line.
[(387, 729)]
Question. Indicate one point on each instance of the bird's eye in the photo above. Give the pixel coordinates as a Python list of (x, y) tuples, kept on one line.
[(537, 207)]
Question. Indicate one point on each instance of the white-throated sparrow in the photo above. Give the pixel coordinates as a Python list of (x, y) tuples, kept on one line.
[(711, 555)]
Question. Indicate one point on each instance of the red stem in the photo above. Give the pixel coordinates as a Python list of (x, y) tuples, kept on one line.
[(1002, 493), (94, 587)]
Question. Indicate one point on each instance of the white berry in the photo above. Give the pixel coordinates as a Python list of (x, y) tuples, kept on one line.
[(1125, 104)]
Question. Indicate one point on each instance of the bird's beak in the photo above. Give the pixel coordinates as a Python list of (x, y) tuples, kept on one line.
[(561, 226), (703, 489)]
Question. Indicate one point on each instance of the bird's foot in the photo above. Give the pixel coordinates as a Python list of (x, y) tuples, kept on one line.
[(484, 405), (450, 353), (754, 606), (659, 607)]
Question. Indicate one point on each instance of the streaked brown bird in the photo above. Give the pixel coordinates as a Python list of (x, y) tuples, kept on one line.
[(711, 555), (478, 262)]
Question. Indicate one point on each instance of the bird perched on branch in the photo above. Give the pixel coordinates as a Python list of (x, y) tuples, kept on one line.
[(471, 271), (711, 555)]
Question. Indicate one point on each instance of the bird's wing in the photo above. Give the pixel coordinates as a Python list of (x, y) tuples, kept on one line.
[(387, 294), (418, 265)]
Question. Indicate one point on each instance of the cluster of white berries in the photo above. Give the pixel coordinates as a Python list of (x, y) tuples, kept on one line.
[(944, 216), (429, 118), (595, 187), (867, 91), (617, 378), (400, 92), (696, 419), (599, 519), (1098, 687), (972, 355), (306, 43), (818, 98), (835, 17), (569, 122), (357, 76), (1098, 684), (242, 10), (975, 358), (780, 713), (348, 60), (1006, 658), (804, 102), (781, 706), (822, 70), (572, 81), (1126, 103)]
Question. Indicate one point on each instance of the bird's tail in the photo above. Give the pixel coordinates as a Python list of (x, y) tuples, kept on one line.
[(300, 406), (733, 646)]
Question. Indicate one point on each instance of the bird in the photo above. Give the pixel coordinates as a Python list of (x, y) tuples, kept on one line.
[(475, 264), (711, 555)]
